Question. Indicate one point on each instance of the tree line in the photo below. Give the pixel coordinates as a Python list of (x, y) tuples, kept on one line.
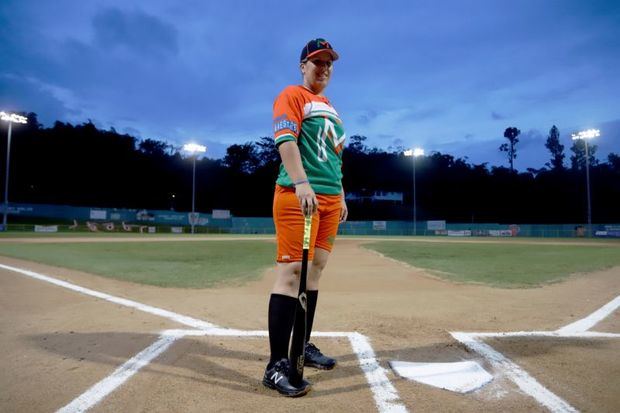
[(82, 165)]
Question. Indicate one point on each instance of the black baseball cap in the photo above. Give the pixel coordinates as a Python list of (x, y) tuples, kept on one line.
[(316, 46)]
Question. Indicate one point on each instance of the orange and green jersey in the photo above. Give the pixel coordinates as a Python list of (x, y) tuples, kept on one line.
[(310, 120)]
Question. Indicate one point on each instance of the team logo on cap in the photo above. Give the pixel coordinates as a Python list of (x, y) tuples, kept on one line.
[(322, 43)]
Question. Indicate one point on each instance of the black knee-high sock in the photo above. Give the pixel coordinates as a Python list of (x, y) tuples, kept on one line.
[(313, 296), (281, 318)]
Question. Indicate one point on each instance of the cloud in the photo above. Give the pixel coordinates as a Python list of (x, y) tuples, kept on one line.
[(176, 71), (27, 94), (138, 32), (132, 132), (545, 94), (367, 117)]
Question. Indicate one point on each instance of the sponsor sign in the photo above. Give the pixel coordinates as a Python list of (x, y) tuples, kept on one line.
[(465, 233), (379, 225), (16, 210), (500, 233), (144, 215), (98, 214), (196, 219), (176, 218), (152, 230), (176, 230), (436, 225), (46, 228), (221, 214), (608, 234)]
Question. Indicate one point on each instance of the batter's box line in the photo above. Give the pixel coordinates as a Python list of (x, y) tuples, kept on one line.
[(384, 393), (527, 383)]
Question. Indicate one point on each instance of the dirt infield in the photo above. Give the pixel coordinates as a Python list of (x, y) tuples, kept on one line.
[(57, 343)]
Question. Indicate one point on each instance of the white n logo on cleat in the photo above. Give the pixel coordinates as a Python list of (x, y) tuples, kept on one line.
[(276, 377)]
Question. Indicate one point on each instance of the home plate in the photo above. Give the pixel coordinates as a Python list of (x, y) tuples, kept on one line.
[(461, 376)]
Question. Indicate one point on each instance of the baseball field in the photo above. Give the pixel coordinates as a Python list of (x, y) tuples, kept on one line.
[(155, 323)]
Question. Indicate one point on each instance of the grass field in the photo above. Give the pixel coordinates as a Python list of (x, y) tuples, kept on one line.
[(201, 264), (197, 264), (505, 265)]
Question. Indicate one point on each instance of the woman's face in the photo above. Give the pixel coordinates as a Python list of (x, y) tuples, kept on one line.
[(317, 71)]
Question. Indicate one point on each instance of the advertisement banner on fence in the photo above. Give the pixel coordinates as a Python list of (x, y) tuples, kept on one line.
[(379, 225), (220, 214), (436, 225), (98, 214), (464, 233), (500, 233), (611, 231), (46, 228)]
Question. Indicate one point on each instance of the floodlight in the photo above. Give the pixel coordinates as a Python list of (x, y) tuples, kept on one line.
[(11, 118), (194, 148)]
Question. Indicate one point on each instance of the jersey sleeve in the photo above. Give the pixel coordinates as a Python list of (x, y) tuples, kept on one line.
[(287, 116)]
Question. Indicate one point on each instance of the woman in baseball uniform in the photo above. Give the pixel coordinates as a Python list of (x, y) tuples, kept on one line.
[(310, 138)]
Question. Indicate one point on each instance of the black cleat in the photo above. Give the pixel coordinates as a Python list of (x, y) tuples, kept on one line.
[(276, 377), (314, 358)]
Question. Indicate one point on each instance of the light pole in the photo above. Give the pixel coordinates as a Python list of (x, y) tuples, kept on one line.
[(194, 149), (585, 135), (414, 153), (10, 118)]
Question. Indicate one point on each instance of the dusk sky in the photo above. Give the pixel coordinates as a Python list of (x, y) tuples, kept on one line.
[(446, 76)]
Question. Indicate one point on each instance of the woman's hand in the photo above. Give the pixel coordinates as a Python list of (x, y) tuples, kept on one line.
[(344, 211), (307, 199)]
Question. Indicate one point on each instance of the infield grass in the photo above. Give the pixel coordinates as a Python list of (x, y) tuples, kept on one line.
[(502, 265), (196, 264)]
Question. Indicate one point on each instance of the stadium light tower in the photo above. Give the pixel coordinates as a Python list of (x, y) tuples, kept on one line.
[(585, 135), (414, 153), (194, 149), (10, 118)]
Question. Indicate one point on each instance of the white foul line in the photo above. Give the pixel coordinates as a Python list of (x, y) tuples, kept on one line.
[(526, 383), (106, 386), (188, 321), (385, 394), (578, 329), (590, 321), (556, 334)]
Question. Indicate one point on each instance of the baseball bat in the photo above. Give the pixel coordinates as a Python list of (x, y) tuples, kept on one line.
[(298, 342)]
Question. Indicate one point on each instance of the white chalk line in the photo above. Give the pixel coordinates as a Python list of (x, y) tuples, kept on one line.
[(593, 319), (384, 393), (181, 319), (557, 334), (528, 384), (101, 390)]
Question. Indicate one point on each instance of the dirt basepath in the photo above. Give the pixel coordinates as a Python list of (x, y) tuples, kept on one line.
[(407, 315)]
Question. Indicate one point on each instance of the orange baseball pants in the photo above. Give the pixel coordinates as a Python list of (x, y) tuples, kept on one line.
[(289, 222)]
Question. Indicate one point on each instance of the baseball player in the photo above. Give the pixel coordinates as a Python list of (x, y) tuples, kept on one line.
[(309, 136)]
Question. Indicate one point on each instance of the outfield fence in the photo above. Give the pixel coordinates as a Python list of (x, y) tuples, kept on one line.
[(62, 218)]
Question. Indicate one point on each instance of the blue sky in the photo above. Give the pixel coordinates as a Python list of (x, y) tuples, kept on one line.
[(447, 76)]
